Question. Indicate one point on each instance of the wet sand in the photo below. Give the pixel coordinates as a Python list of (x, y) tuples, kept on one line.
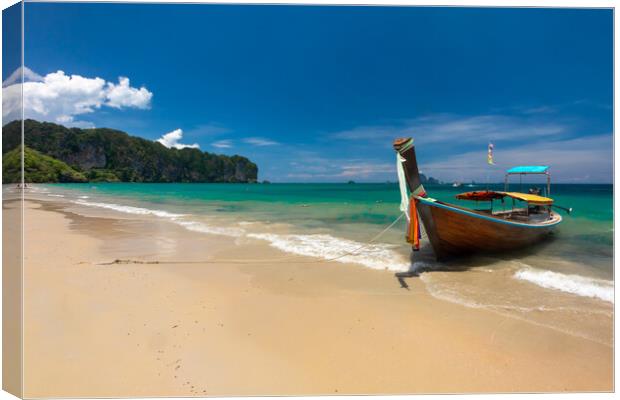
[(282, 328)]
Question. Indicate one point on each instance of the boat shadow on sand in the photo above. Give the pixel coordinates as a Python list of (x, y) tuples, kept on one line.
[(423, 261)]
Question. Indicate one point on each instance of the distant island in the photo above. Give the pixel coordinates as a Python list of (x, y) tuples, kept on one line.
[(54, 153), (430, 180)]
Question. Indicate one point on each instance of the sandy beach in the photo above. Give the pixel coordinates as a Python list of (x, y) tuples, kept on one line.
[(248, 328)]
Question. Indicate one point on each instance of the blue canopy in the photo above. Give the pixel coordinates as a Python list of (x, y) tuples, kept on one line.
[(528, 169)]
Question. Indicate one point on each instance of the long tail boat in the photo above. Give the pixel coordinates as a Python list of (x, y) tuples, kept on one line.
[(454, 230)]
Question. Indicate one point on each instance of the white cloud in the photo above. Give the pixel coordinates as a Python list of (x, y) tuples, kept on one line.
[(584, 159), (539, 110), (172, 139), (367, 170), (59, 98), (452, 147), (313, 167), (210, 129), (222, 144), (16, 77), (258, 141), (588, 158), (123, 95), (482, 128), (446, 129)]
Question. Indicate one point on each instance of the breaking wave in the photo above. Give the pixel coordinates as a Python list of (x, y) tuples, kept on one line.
[(210, 229), (130, 209), (173, 217), (574, 284), (375, 256), (378, 256)]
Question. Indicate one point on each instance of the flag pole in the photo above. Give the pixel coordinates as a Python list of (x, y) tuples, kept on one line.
[(489, 160)]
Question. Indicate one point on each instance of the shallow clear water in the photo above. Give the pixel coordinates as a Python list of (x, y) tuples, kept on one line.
[(359, 210)]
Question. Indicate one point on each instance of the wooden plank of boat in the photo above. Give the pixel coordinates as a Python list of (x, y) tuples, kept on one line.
[(454, 231), (460, 231)]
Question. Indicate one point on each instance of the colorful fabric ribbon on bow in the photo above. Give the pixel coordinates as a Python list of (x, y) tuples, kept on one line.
[(413, 230)]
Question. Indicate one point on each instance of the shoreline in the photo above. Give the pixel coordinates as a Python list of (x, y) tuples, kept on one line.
[(558, 292), (181, 329)]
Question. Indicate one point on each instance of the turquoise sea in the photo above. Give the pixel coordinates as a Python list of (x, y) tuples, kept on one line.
[(572, 270), (359, 210)]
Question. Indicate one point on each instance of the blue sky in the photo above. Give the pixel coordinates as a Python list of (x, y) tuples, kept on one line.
[(318, 93)]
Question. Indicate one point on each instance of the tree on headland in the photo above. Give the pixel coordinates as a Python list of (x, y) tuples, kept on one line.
[(102, 154), (38, 168)]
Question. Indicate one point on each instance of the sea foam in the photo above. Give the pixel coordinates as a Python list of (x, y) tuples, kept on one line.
[(189, 225), (575, 284), (130, 209), (210, 229), (375, 256)]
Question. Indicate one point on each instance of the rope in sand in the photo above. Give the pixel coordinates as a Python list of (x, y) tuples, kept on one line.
[(262, 260)]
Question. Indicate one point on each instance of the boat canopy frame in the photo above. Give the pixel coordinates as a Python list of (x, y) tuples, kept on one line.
[(529, 170)]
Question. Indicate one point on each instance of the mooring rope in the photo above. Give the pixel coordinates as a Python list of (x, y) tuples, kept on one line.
[(262, 260)]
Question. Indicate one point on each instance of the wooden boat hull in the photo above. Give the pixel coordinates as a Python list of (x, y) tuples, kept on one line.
[(455, 231)]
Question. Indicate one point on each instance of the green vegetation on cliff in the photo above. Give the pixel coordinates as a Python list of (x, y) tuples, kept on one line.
[(38, 168), (102, 154)]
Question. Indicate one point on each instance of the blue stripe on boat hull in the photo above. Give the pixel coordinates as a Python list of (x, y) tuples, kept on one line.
[(492, 219)]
